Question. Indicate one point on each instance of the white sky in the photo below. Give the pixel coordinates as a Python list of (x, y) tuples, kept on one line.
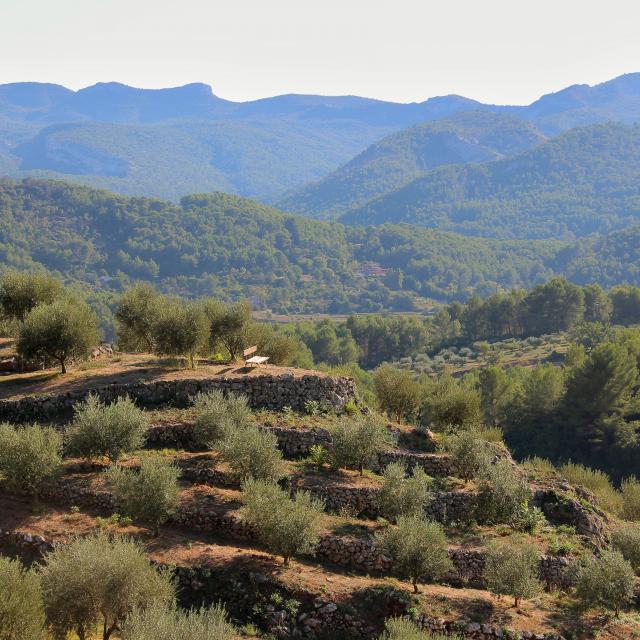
[(503, 51)]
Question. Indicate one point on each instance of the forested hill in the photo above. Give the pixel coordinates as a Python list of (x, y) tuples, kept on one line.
[(472, 136), (584, 181)]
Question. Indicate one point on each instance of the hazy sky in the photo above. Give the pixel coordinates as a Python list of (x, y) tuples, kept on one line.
[(503, 51)]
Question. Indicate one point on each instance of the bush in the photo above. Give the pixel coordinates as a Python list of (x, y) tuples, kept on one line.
[(511, 568), (21, 608), (21, 291), (450, 404), (626, 539), (285, 525), (470, 452), (160, 622), (417, 548), (502, 494), (607, 581), (252, 453), (107, 430), (527, 519), (29, 456), (95, 580), (399, 394), (151, 494), (630, 488), (358, 441), (404, 629), (136, 313), (597, 482), (318, 456), (402, 496), (180, 329), (216, 413), (60, 331)]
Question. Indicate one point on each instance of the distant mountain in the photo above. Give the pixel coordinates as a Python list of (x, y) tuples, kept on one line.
[(470, 136), (584, 181), (169, 142)]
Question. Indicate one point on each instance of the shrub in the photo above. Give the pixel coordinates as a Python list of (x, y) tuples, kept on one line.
[(402, 496), (399, 394), (21, 608), (417, 548), (630, 488), (607, 581), (107, 430), (136, 313), (404, 629), (21, 291), (252, 453), (180, 329), (160, 622), (151, 494), (470, 452), (318, 456), (597, 482), (216, 413), (95, 580), (511, 568), (450, 404), (285, 525), (28, 456), (503, 492), (60, 331), (626, 539), (358, 441), (527, 519)]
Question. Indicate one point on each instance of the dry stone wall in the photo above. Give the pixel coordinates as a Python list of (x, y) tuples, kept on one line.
[(264, 392)]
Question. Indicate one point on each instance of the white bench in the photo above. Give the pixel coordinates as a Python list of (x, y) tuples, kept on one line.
[(253, 360)]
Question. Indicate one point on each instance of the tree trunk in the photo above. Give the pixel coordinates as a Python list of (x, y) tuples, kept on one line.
[(63, 366), (415, 585), (517, 603), (286, 560)]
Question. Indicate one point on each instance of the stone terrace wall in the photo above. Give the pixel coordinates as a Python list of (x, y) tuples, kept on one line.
[(264, 392)]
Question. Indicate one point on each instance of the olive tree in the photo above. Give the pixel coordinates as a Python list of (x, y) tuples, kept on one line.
[(21, 608), (59, 331), (107, 430), (401, 495), (228, 325), (357, 441), (511, 568), (285, 525), (626, 539), (180, 329), (606, 581), (630, 488), (150, 494), (399, 394), (470, 453), (29, 456), (99, 580), (136, 313), (504, 491), (252, 453), (22, 291), (161, 622), (217, 412), (405, 629), (417, 548)]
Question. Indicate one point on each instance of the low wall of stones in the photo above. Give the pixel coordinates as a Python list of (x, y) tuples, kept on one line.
[(264, 392)]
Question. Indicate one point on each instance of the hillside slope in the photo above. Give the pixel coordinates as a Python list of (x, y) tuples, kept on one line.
[(471, 136), (584, 181)]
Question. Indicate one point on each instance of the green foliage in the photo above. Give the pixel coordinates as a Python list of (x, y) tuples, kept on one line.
[(23, 291), (60, 330), (285, 525), (29, 456), (170, 623), (528, 519), (217, 413), (136, 314), (630, 489), (596, 481), (605, 581), (96, 579), (417, 548), (511, 568), (357, 441), (399, 394), (151, 494), (401, 495), (318, 456), (252, 453), (404, 629), (449, 403), (470, 451), (626, 539), (109, 430), (502, 493), (180, 329), (229, 326), (21, 608)]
